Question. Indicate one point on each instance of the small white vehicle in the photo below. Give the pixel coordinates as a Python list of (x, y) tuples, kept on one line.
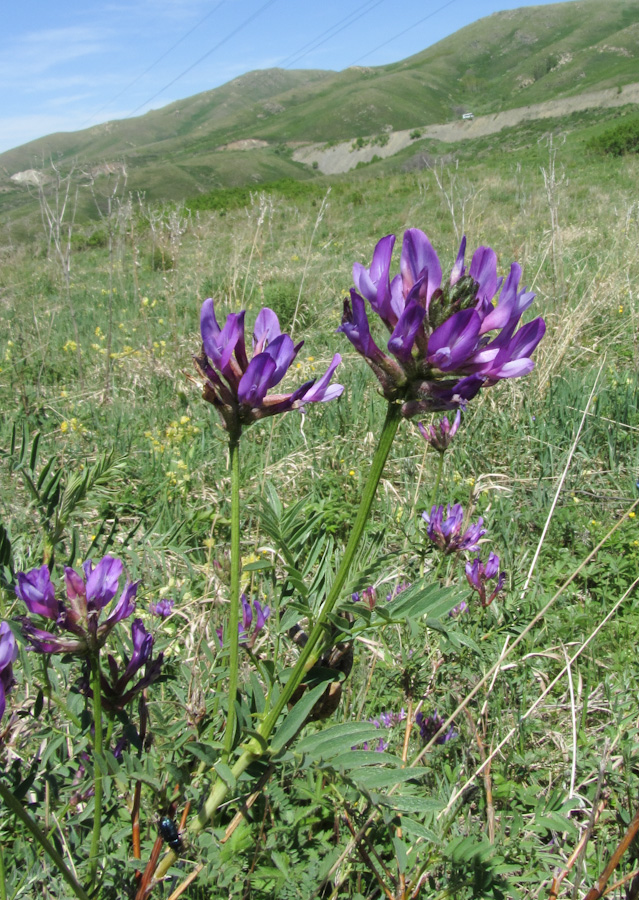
[(468, 116)]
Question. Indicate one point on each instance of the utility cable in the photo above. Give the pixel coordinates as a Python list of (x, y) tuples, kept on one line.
[(405, 31), (197, 62), (155, 62), (330, 32)]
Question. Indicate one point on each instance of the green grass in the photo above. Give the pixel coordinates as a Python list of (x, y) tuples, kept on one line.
[(168, 515)]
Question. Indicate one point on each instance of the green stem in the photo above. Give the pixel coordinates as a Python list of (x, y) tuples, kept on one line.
[(232, 634), (3, 886), (433, 501), (306, 658), (254, 749), (438, 478), (216, 797), (18, 810), (98, 751)]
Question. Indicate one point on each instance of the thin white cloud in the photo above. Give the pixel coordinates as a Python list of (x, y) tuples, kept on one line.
[(38, 52), (148, 11)]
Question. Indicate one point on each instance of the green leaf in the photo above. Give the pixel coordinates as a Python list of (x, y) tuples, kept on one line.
[(420, 600), (5, 547), (408, 803), (296, 717), (410, 826), (258, 693), (34, 448), (400, 854), (226, 775), (258, 566), (459, 639), (45, 473), (353, 758), (337, 739), (206, 753), (376, 779)]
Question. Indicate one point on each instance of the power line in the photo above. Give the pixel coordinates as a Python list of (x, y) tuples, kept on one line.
[(405, 31), (330, 32), (224, 40), (155, 62)]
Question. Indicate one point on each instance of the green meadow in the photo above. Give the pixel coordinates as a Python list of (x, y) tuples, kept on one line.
[(99, 321)]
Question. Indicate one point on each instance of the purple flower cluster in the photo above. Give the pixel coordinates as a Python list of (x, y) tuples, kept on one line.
[(446, 340), (238, 387), (402, 586), (115, 690), (244, 627), (430, 725), (478, 574), (448, 533), (379, 747), (458, 610), (367, 596), (162, 609), (388, 719), (440, 438), (87, 595), (8, 654)]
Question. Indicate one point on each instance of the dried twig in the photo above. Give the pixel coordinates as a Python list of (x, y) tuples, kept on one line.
[(598, 890), (583, 841)]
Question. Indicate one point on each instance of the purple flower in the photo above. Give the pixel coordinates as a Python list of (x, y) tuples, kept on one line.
[(367, 596), (238, 387), (478, 574), (388, 719), (116, 692), (79, 617), (402, 586), (440, 438), (441, 350), (8, 654), (380, 746), (163, 608), (458, 610), (244, 627), (447, 533), (430, 725), (36, 590)]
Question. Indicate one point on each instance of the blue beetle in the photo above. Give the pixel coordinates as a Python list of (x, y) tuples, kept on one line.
[(169, 833)]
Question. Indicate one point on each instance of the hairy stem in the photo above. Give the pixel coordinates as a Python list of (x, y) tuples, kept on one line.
[(98, 750), (255, 747), (438, 478), (308, 655), (231, 633)]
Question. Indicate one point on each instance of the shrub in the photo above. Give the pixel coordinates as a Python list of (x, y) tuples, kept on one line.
[(97, 239), (622, 138)]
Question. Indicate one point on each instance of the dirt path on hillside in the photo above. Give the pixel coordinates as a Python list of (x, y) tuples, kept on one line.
[(342, 157)]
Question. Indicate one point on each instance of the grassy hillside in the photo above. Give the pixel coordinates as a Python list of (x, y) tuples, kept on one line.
[(506, 60)]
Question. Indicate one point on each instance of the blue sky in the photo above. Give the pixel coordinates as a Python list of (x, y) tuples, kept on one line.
[(68, 66)]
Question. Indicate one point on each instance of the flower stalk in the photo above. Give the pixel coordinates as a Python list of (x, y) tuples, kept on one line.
[(309, 655), (98, 748), (438, 477), (232, 635), (310, 652)]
